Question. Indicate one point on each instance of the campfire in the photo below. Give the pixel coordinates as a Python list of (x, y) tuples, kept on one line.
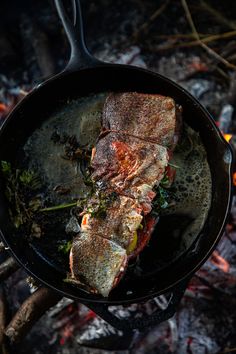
[(201, 58)]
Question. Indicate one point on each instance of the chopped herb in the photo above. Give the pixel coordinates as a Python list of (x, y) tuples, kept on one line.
[(98, 206), (165, 181), (65, 248), (6, 167), (29, 179), (88, 181), (161, 191), (161, 199), (72, 149)]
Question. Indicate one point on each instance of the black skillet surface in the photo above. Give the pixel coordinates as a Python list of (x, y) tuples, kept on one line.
[(85, 75)]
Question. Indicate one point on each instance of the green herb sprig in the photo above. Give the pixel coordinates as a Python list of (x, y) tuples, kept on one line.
[(20, 190), (65, 248)]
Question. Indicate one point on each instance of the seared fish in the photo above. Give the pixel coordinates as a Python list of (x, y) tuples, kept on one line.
[(131, 156)]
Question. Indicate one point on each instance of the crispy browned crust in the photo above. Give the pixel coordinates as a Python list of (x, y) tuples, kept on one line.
[(144, 163), (121, 221), (148, 115)]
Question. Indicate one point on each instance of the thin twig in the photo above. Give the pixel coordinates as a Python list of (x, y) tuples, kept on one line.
[(215, 37), (229, 350), (143, 28), (7, 268), (223, 73), (201, 43), (208, 39), (218, 15), (232, 57), (182, 35)]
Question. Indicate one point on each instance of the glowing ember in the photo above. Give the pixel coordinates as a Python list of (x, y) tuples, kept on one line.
[(3, 110), (73, 322), (220, 262), (234, 178), (228, 137), (198, 66)]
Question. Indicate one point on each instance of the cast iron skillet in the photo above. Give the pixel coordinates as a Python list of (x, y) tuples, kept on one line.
[(85, 75)]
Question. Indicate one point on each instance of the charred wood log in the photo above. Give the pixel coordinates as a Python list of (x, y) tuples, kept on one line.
[(3, 320), (30, 312), (7, 268)]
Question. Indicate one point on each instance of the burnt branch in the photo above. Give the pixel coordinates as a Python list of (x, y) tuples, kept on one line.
[(7, 268), (3, 320), (30, 312)]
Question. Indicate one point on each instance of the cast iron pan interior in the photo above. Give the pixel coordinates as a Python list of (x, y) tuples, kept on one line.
[(43, 101)]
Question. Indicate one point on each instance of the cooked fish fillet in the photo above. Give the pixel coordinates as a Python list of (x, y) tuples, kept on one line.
[(123, 217), (130, 169), (130, 158), (150, 116), (97, 261)]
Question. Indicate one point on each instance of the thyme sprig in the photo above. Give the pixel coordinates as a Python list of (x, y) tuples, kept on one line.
[(59, 207), (65, 248), (20, 189)]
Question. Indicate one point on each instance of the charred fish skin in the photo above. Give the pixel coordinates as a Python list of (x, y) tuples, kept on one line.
[(123, 217), (141, 131), (97, 261)]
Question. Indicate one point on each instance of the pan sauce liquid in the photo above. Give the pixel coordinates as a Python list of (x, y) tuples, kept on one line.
[(179, 224), (192, 184), (80, 118), (190, 199), (192, 188)]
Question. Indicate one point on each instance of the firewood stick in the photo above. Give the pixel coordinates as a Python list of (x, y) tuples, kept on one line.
[(30, 312), (7, 268), (3, 316)]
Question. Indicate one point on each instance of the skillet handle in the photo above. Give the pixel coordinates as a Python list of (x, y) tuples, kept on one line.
[(80, 56), (148, 320)]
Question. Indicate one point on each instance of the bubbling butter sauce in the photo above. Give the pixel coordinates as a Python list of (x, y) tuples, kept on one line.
[(192, 188), (80, 118)]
